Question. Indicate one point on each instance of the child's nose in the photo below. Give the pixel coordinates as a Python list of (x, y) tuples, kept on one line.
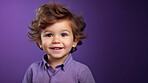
[(56, 40)]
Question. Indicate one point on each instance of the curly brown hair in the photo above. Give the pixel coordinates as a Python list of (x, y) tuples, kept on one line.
[(49, 14)]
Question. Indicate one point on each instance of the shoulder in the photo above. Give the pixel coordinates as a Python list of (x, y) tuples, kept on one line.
[(80, 65), (79, 68), (84, 74), (35, 66), (29, 73)]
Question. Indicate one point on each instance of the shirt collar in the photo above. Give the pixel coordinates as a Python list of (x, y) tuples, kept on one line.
[(67, 62), (46, 65), (64, 65)]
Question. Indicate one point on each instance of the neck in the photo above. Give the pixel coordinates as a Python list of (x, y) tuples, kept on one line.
[(55, 62)]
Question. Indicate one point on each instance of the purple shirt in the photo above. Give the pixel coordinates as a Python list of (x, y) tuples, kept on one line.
[(70, 71)]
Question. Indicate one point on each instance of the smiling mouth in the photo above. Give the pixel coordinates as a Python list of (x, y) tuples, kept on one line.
[(56, 48)]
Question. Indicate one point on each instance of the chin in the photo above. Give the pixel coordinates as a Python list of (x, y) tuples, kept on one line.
[(58, 56)]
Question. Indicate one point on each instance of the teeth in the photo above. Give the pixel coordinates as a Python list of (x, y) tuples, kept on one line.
[(56, 48)]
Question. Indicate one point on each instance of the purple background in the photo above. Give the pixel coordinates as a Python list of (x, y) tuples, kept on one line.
[(116, 49)]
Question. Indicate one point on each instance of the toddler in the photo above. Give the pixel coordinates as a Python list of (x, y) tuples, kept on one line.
[(57, 32)]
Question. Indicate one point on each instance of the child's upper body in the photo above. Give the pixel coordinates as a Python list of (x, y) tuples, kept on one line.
[(58, 32), (70, 71)]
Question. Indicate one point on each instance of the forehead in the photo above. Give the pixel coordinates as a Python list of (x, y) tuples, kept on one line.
[(60, 25)]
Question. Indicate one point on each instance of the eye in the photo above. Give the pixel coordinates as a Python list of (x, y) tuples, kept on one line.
[(49, 35), (63, 34)]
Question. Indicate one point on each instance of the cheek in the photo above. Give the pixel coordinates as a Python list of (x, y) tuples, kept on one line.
[(45, 43), (68, 43)]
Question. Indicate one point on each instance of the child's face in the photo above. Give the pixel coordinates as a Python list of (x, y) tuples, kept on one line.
[(57, 39)]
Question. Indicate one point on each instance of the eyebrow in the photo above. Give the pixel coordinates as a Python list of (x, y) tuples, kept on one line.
[(46, 31), (66, 31), (61, 31)]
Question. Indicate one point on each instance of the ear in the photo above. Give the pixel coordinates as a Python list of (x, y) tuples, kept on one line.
[(75, 42), (39, 42)]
